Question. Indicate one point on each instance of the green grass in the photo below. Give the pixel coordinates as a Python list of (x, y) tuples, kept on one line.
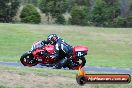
[(109, 47)]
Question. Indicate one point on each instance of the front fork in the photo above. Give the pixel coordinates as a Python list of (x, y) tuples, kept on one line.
[(75, 61)]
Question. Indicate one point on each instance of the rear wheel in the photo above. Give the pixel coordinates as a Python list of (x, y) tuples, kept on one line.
[(28, 60), (79, 64)]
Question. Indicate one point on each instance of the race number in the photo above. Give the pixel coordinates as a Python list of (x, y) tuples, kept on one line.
[(79, 54)]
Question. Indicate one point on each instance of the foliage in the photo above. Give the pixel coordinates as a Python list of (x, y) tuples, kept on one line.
[(60, 19), (34, 2), (43, 6), (129, 20), (130, 5), (78, 3), (82, 2), (8, 9), (92, 12), (120, 22), (104, 12), (29, 14), (79, 15), (123, 21), (53, 8)]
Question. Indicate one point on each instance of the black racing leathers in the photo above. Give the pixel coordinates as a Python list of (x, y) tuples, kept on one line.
[(62, 51)]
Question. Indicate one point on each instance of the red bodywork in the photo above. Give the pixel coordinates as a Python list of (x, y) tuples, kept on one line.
[(50, 50), (45, 60), (79, 49)]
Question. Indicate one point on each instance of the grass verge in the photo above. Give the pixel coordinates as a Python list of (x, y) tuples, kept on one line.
[(25, 77)]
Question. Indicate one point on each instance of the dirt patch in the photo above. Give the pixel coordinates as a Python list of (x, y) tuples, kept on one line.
[(15, 80)]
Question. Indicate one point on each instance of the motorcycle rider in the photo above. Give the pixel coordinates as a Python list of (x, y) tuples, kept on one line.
[(62, 50)]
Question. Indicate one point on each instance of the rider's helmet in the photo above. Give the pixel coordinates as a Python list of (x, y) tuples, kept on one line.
[(52, 38)]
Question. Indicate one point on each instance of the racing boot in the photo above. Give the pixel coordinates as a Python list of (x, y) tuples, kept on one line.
[(71, 63)]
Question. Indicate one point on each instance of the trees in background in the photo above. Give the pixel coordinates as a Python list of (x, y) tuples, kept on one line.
[(79, 15), (29, 14), (104, 12), (8, 9), (129, 17), (130, 6), (124, 19), (108, 13), (80, 12), (34, 2), (55, 9)]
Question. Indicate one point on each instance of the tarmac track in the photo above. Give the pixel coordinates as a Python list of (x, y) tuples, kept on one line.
[(86, 68)]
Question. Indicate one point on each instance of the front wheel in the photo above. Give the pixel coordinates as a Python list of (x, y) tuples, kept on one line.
[(28, 60), (78, 64)]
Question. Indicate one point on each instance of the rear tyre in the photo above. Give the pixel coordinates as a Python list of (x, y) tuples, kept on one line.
[(79, 64), (28, 60)]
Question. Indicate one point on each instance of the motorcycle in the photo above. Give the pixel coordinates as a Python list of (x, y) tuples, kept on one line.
[(43, 56)]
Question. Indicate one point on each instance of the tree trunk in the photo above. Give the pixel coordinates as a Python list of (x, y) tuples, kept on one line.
[(124, 7)]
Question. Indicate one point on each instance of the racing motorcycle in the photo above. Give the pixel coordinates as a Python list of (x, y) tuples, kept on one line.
[(43, 56)]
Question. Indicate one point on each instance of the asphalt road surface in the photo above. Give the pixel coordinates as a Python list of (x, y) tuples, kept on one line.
[(86, 68)]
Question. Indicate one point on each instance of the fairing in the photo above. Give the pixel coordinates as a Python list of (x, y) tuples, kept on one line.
[(80, 48), (49, 49)]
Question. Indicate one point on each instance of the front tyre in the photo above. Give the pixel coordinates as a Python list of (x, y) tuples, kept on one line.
[(27, 59), (79, 64)]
